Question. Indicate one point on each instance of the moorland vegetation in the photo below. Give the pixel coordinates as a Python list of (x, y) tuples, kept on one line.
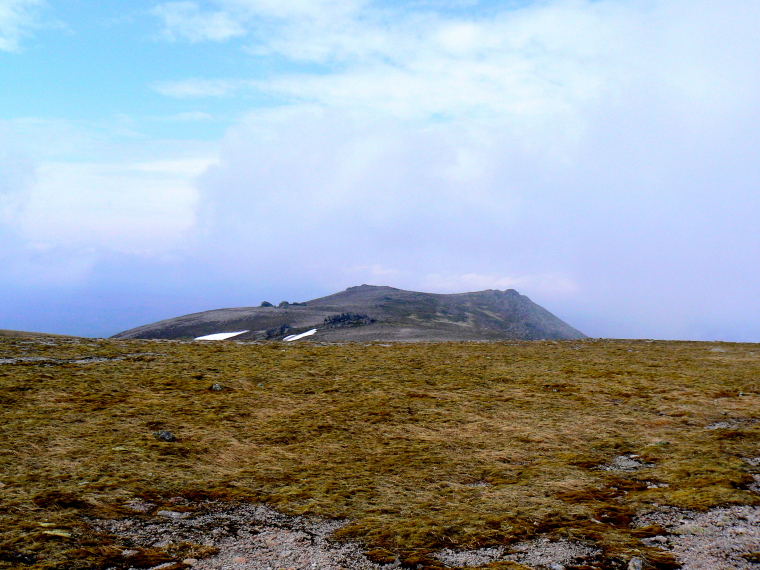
[(421, 446)]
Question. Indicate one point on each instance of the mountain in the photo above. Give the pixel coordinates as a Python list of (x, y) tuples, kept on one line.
[(371, 313)]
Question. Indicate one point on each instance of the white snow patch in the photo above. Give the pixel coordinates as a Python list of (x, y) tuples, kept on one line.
[(299, 336), (220, 336)]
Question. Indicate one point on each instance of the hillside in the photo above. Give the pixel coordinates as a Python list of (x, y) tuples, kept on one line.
[(372, 313), (27, 334)]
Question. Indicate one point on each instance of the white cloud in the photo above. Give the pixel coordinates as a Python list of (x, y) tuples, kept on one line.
[(547, 285), (187, 117), (297, 9), (61, 215), (189, 88), (18, 18), (186, 20), (373, 270), (542, 62), (18, 176), (144, 208)]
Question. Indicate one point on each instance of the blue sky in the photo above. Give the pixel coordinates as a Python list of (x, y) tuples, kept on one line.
[(600, 157)]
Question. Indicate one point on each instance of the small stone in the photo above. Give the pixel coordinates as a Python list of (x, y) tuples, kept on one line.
[(165, 435), (140, 506), (216, 387), (173, 514), (635, 563), (129, 552), (555, 566), (190, 561)]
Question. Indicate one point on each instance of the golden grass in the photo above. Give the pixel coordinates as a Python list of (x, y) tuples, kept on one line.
[(400, 439)]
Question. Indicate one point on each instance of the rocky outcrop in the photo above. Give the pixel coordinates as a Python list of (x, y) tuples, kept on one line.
[(347, 320)]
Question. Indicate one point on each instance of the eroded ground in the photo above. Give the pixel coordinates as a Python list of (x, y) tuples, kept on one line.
[(431, 454)]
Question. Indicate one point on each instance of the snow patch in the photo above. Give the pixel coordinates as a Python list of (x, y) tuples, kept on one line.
[(293, 337), (220, 336)]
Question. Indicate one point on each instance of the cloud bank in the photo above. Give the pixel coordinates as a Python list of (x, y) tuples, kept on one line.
[(597, 156)]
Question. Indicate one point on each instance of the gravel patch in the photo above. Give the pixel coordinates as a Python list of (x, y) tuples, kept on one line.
[(713, 540), (249, 537), (538, 553), (544, 553), (478, 557)]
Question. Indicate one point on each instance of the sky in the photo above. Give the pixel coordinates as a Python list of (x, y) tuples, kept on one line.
[(600, 157)]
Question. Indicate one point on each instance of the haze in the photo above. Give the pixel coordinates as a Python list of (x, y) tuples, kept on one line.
[(601, 157)]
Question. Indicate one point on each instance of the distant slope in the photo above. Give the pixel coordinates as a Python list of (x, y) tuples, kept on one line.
[(27, 334), (371, 313)]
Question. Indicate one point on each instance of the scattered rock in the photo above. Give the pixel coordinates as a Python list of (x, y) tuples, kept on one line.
[(626, 463), (216, 387), (755, 487), (266, 304), (718, 350), (635, 563), (277, 332), (733, 423), (719, 425), (165, 435)]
